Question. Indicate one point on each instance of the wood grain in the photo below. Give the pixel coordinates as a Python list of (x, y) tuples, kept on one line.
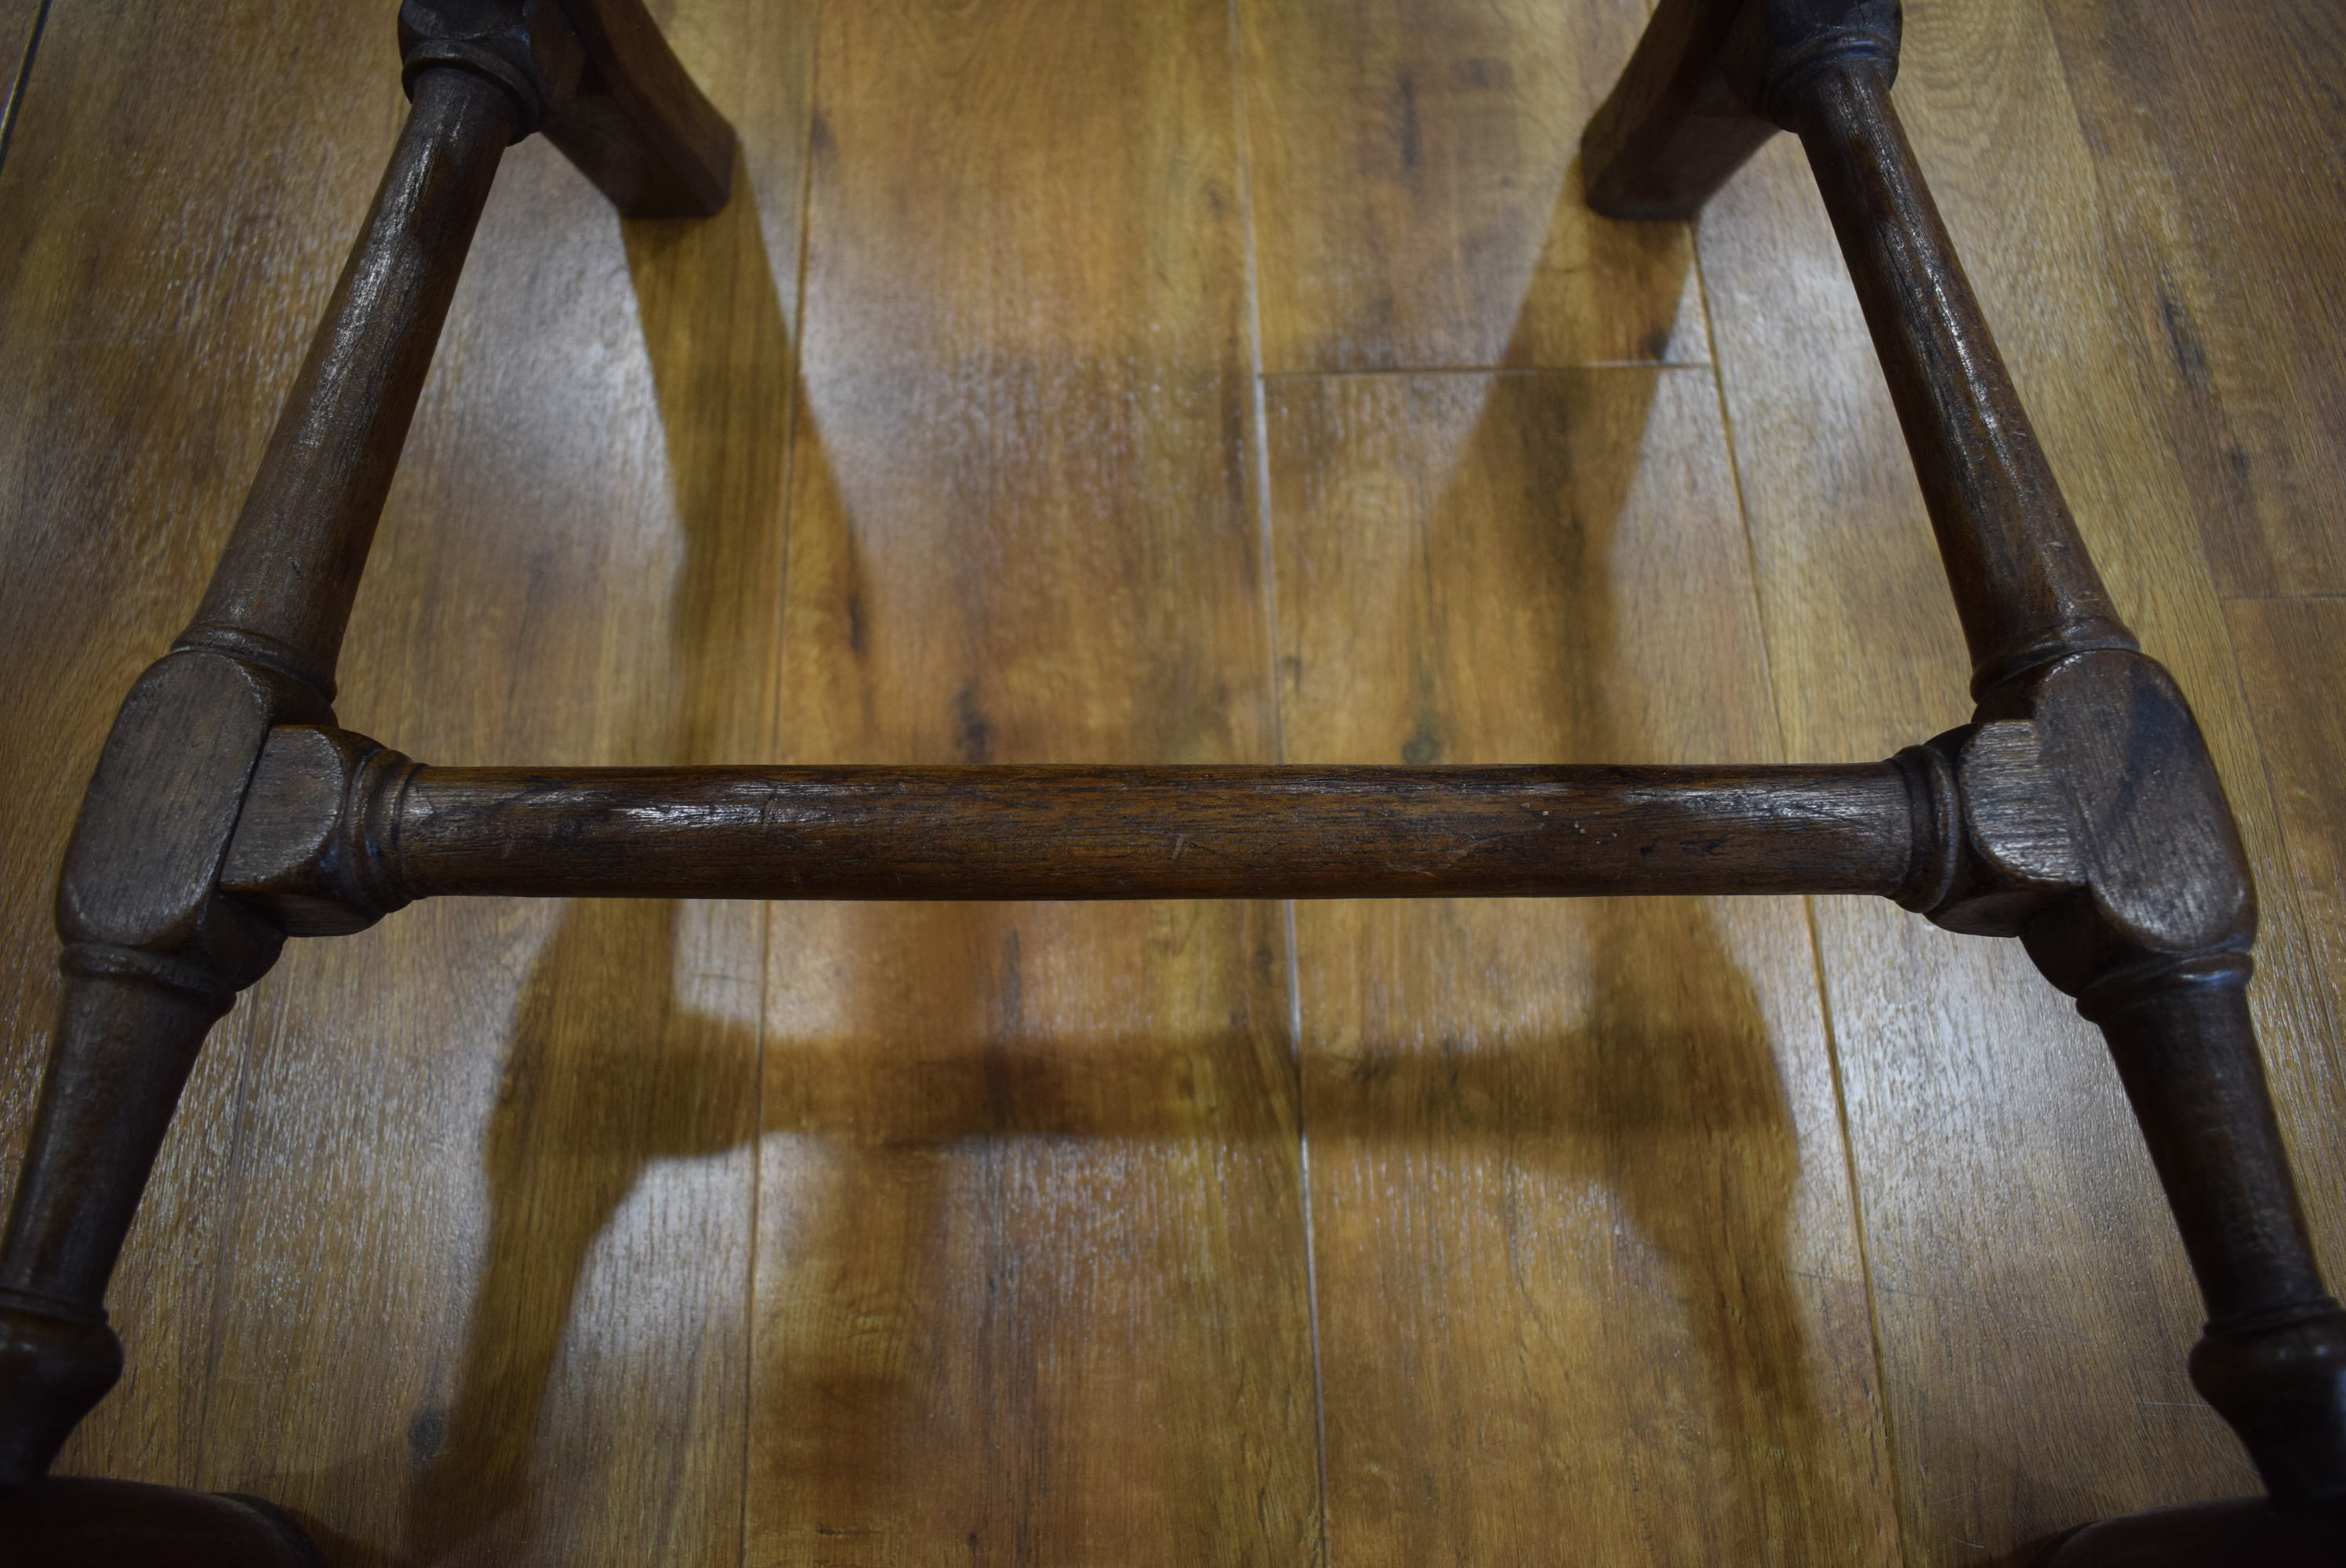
[(487, 1236), (112, 286), (2291, 651), (601, 524), (999, 832), (2209, 125), (1416, 189), (1589, 1273), (2031, 1303), (1031, 1281), (562, 1099)]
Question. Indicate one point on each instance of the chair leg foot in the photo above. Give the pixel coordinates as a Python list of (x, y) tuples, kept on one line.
[(2208, 1535), (70, 1523)]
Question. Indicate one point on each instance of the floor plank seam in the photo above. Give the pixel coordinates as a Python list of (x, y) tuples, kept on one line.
[(22, 80), (773, 742), (1268, 569)]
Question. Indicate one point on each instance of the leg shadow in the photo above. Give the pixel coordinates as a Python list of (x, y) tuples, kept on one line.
[(1663, 1088), (1676, 1059), (612, 1066)]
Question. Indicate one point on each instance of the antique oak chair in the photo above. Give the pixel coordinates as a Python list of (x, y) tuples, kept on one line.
[(2077, 811)]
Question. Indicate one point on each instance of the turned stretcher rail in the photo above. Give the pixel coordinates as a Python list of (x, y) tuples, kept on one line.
[(2080, 812), (1076, 832)]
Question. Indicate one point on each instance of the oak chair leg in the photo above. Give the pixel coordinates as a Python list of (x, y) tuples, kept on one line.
[(2250, 1532), (2147, 914), (124, 1524), (2272, 1360), (2079, 811), (154, 953), (124, 1043)]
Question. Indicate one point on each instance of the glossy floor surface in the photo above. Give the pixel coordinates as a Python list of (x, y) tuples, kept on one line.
[(1181, 382)]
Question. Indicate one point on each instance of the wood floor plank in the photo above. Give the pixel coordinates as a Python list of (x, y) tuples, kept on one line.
[(2033, 1305), (1031, 1281), (2292, 654), (1589, 1279), (1416, 189), (2210, 126)]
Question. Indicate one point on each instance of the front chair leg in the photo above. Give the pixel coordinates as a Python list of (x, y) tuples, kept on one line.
[(127, 1037), (2093, 825), (154, 952), (2272, 1360), (2109, 852), (153, 957)]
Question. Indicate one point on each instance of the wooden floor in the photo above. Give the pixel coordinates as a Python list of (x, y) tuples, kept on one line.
[(1181, 382)]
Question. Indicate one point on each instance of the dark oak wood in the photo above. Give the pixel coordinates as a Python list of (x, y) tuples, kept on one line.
[(2023, 586), (124, 1524), (150, 367), (319, 865), (2080, 812), (1190, 832), (2158, 953), (636, 124), (2127, 878), (282, 593), (2028, 1291), (152, 955), (490, 1196), (1709, 83), (2146, 917)]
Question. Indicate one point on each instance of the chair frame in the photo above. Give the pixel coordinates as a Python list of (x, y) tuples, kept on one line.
[(2078, 811)]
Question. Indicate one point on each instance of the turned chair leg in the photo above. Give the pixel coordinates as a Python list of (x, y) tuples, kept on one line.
[(2145, 912), (2079, 811), (154, 953), (2272, 1359), (125, 1043)]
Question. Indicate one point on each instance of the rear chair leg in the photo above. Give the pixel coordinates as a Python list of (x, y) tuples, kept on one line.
[(637, 126), (1686, 111)]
